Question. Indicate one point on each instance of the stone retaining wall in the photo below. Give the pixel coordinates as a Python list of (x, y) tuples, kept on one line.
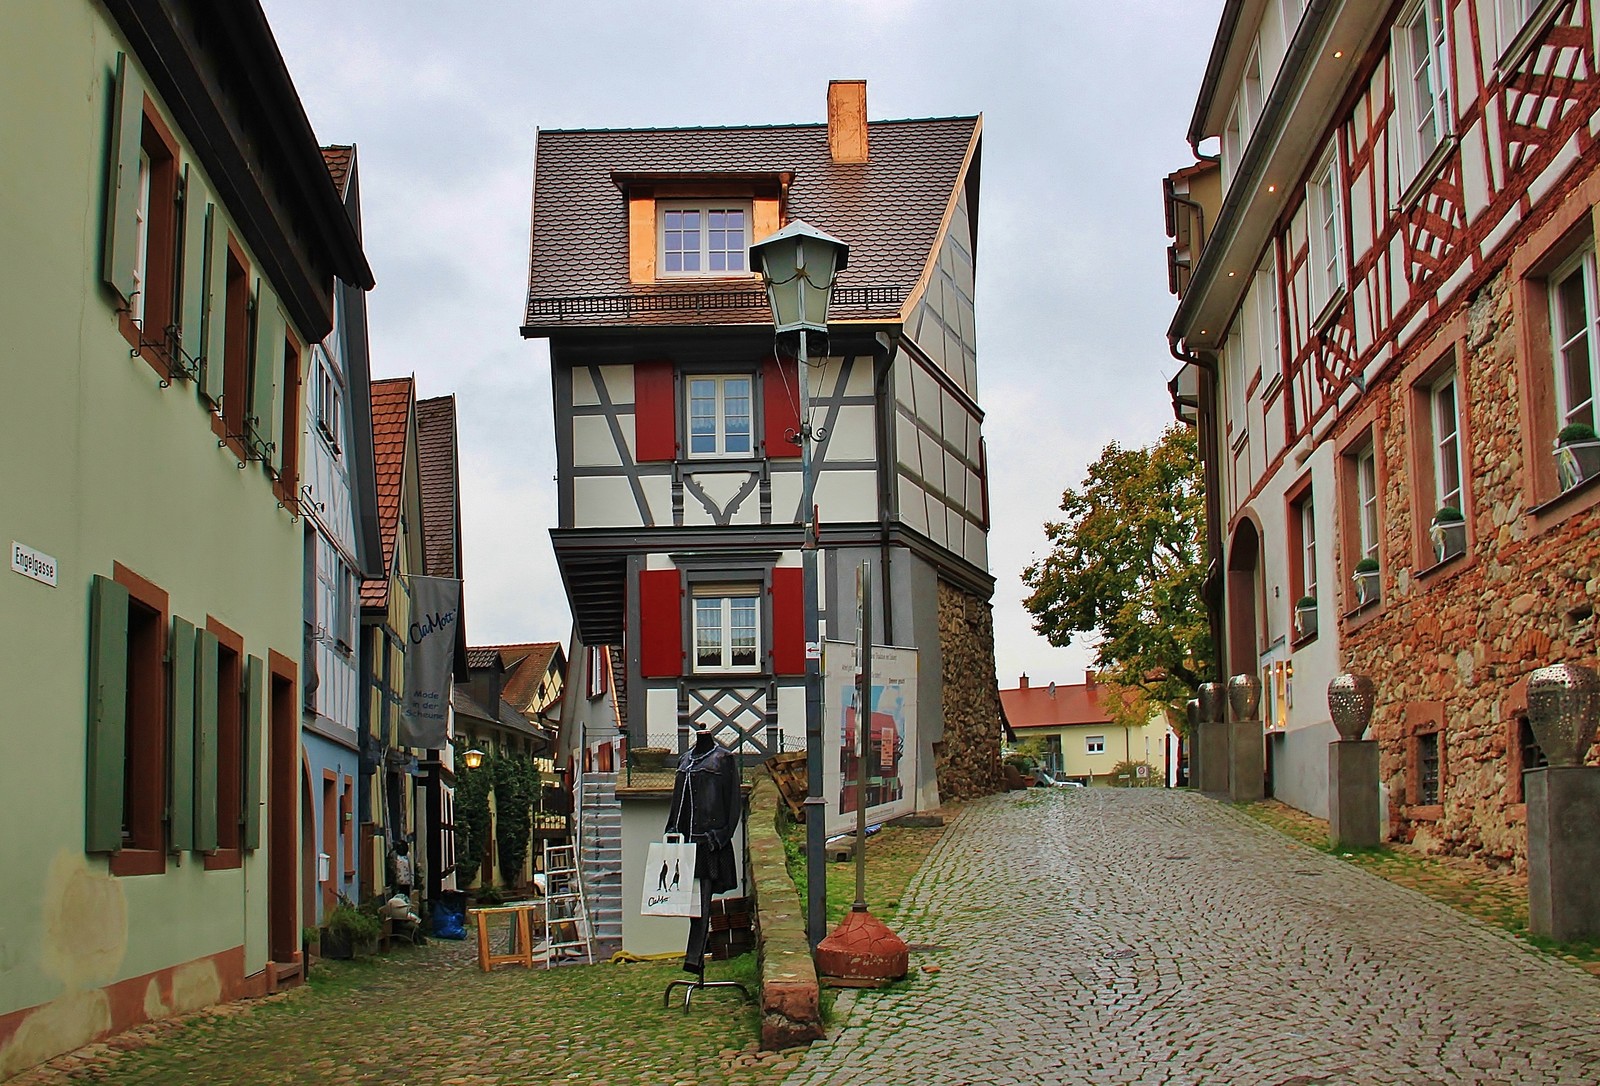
[(791, 1012)]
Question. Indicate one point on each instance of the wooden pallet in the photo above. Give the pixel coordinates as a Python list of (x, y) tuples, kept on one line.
[(788, 772)]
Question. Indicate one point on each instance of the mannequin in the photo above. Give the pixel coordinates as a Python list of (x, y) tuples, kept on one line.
[(706, 807)]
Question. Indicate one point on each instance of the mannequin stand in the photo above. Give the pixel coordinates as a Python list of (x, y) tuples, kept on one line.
[(699, 983)]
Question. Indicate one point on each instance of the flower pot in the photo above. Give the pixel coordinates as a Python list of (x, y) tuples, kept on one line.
[(1449, 538), (1305, 621), (1367, 586), (650, 758), (1577, 461)]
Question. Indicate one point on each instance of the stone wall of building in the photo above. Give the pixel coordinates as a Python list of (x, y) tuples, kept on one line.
[(969, 756), (1451, 643)]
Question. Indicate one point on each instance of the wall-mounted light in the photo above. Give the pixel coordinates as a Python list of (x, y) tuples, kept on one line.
[(473, 758)]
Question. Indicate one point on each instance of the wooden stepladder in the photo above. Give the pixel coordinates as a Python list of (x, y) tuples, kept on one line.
[(566, 918)]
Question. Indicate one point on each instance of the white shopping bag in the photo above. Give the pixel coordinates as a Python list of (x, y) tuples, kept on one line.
[(670, 888)]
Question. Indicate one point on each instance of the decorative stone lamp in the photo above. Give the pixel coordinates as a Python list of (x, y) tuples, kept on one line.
[(1247, 750), (1350, 702), (1352, 764), (1212, 747), (1563, 801)]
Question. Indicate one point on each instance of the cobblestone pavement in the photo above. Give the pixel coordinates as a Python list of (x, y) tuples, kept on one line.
[(1158, 937)]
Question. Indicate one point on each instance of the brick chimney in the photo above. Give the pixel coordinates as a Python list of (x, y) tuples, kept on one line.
[(847, 120), (1022, 683), (1089, 678)]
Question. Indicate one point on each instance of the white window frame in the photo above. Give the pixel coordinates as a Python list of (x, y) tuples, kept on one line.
[(1510, 16), (1445, 429), (1237, 377), (1244, 114), (1367, 502), (720, 602), (1094, 744), (706, 254), (1413, 65), (720, 438), (1267, 332), (141, 237), (1585, 338), (329, 405), (1325, 231), (595, 671), (1306, 508)]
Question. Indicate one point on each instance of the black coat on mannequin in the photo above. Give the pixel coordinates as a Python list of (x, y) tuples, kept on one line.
[(707, 804)]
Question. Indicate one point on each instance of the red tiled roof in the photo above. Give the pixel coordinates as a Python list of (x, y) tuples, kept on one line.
[(526, 666), (339, 159), (441, 486), (888, 210), (1035, 707), (391, 412)]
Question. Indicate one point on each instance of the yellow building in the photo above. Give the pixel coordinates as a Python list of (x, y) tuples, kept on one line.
[(1082, 743)]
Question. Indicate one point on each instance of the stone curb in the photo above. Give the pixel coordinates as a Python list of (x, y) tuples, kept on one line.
[(791, 1011)]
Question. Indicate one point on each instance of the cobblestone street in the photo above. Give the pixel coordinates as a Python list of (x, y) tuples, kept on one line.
[(1158, 937)]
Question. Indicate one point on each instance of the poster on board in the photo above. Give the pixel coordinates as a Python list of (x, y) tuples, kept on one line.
[(891, 736)]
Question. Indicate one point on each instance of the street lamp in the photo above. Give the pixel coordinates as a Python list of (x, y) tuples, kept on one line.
[(473, 758), (798, 265)]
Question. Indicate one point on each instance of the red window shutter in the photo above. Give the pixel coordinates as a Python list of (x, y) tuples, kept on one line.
[(655, 413), (788, 622), (780, 406), (660, 624)]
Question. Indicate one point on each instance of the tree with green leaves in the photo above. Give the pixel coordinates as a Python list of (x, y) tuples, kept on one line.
[(1125, 566)]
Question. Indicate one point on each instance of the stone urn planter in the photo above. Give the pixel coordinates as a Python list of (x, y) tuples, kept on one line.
[(1305, 618), (1449, 533), (1367, 580), (1350, 702), (1213, 699), (651, 759), (1563, 709), (1577, 454), (1244, 697)]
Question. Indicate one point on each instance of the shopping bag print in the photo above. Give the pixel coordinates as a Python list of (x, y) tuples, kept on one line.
[(669, 884)]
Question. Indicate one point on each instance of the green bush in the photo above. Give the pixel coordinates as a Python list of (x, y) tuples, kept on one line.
[(1126, 775), (1576, 431), (353, 925), (1448, 514), (1367, 565)]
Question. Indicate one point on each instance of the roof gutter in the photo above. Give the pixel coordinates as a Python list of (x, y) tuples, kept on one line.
[(1274, 116), (1208, 84)]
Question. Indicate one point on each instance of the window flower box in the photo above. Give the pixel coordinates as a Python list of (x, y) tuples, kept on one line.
[(1577, 454), (1367, 581), (1449, 534), (1305, 618)]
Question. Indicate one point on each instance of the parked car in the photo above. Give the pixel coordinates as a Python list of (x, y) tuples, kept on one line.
[(1044, 778)]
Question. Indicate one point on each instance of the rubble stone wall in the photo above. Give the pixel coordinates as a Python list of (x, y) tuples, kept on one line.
[(1451, 644), (969, 755)]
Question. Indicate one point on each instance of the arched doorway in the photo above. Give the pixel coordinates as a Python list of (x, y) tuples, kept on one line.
[(1247, 612)]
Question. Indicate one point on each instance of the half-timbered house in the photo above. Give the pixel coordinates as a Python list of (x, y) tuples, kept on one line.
[(1389, 329), (677, 422)]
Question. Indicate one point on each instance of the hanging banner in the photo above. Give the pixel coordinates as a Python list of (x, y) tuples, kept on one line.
[(430, 647), (891, 737)]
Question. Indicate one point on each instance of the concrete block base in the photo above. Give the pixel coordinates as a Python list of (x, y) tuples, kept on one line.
[(1213, 744), (1563, 851), (1247, 762), (1353, 793)]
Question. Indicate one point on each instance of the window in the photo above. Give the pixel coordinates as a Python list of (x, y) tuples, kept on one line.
[(1094, 744), (1242, 118), (1366, 464), (230, 745), (1444, 413), (1573, 336), (1292, 10), (1236, 375), (595, 671), (1428, 769), (708, 239), (719, 416), (236, 345), (326, 402), (287, 461), (726, 624), (1326, 226), (1266, 303), (1422, 85), (1302, 560), (1509, 18)]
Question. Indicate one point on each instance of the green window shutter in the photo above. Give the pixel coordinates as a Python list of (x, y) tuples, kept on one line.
[(268, 360), (192, 302), (255, 694), (180, 806), (214, 313), (108, 712), (120, 244), (205, 741)]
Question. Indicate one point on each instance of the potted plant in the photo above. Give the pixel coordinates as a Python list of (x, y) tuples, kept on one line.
[(1367, 580), (348, 931), (650, 758), (1577, 454), (1449, 533), (1305, 617)]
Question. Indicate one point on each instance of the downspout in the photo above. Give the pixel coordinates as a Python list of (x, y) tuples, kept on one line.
[(890, 341), (1204, 421)]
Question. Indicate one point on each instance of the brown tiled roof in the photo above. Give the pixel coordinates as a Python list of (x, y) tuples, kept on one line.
[(391, 411), (525, 668), (441, 486), (477, 658), (339, 159), (1060, 706), (888, 210)]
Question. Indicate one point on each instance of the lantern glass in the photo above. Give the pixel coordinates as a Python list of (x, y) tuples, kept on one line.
[(473, 758), (798, 264)]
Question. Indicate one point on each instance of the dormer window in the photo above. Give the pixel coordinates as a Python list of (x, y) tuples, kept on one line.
[(709, 238)]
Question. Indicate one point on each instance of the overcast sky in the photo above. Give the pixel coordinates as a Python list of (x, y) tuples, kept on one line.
[(1085, 106)]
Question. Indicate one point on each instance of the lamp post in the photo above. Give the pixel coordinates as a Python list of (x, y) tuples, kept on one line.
[(798, 265)]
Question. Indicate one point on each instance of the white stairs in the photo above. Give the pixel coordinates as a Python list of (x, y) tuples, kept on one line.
[(600, 859)]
